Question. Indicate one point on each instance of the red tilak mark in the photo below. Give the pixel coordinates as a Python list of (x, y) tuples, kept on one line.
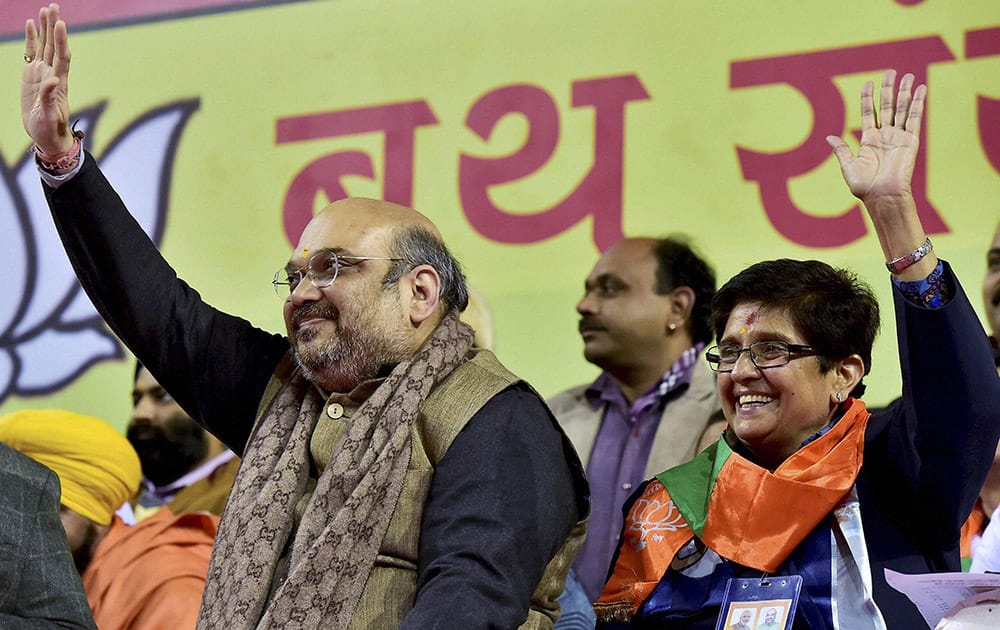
[(751, 318)]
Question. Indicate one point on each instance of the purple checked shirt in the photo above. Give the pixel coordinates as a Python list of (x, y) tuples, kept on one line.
[(618, 460)]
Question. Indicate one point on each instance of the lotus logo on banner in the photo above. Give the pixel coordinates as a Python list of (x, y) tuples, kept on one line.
[(50, 333)]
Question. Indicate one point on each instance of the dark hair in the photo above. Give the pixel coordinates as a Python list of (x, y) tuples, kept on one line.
[(418, 246), (835, 311), (679, 266)]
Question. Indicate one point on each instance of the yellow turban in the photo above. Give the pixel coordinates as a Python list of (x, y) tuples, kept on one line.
[(97, 467)]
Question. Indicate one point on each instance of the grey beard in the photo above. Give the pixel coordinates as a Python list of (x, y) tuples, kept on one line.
[(340, 364)]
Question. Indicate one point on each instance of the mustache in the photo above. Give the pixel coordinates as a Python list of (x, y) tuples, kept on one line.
[(176, 425), (315, 309), (995, 298), (589, 322)]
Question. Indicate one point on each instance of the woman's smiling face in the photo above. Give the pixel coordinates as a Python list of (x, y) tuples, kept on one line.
[(772, 411)]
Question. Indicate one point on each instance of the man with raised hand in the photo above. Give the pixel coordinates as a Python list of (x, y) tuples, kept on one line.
[(391, 475)]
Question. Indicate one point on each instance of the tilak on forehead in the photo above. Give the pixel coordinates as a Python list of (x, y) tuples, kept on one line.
[(750, 319)]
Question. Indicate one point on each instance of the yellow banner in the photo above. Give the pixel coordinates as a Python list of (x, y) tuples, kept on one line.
[(534, 135)]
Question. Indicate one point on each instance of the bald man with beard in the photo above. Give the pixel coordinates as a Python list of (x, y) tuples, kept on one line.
[(392, 475)]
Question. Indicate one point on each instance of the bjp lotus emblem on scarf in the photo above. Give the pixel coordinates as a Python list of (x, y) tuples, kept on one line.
[(50, 333), (652, 517)]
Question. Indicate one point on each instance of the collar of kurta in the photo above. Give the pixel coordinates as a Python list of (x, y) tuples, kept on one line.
[(745, 513), (606, 390)]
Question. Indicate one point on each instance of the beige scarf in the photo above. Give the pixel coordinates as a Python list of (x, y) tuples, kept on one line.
[(334, 549)]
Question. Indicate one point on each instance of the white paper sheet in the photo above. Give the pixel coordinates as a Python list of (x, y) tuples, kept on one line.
[(937, 594)]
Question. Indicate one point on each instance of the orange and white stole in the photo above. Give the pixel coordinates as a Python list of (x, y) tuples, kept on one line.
[(745, 513)]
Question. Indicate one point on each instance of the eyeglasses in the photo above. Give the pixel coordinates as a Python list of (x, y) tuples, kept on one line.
[(763, 354), (321, 269)]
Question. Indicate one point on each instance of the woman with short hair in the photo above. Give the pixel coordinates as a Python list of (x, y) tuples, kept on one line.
[(806, 486)]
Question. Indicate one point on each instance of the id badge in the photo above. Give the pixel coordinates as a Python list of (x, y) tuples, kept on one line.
[(766, 603)]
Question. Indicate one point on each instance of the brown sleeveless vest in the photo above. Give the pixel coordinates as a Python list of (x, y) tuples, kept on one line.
[(391, 589)]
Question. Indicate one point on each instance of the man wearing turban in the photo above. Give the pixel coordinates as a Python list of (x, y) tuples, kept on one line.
[(146, 575)]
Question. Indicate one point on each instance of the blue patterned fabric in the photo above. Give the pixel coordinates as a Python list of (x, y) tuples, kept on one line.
[(934, 291)]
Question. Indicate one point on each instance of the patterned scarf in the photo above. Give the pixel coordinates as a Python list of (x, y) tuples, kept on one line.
[(334, 549)]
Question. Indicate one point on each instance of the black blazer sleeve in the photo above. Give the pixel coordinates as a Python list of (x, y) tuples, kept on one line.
[(502, 501), (943, 433), (927, 455), (215, 365)]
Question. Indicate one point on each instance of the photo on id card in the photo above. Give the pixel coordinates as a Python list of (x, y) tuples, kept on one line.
[(766, 603)]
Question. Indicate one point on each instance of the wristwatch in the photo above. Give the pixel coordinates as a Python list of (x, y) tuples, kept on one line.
[(899, 264)]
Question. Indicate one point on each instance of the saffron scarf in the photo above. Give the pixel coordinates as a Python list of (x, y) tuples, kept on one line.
[(745, 513), (333, 550)]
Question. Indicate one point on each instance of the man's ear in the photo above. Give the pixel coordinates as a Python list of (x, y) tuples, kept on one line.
[(681, 303), (423, 287)]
